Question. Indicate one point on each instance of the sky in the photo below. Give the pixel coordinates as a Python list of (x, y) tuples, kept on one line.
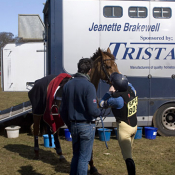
[(9, 10)]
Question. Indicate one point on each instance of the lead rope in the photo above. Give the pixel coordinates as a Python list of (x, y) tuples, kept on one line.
[(103, 124), (103, 130)]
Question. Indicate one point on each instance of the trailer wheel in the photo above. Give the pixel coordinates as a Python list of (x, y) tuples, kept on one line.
[(164, 120)]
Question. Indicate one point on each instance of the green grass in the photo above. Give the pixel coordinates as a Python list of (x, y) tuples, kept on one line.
[(9, 99)]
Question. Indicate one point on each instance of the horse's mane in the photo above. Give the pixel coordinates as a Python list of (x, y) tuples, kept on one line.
[(98, 53)]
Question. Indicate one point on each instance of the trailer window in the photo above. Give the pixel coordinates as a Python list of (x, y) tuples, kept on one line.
[(162, 12), (137, 12), (113, 12)]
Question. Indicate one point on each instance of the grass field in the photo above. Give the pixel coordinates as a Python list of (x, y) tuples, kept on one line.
[(9, 99), (152, 157)]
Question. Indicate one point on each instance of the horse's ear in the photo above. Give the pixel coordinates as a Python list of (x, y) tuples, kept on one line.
[(100, 51), (108, 50)]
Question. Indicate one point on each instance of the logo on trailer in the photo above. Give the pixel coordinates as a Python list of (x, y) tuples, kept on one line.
[(143, 53)]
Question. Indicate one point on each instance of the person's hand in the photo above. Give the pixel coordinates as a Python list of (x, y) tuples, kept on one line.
[(105, 106), (101, 104), (111, 89)]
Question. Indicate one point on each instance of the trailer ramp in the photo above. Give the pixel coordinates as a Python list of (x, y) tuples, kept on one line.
[(15, 111)]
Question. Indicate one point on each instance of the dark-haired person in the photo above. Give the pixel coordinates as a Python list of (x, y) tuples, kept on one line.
[(78, 110), (121, 97)]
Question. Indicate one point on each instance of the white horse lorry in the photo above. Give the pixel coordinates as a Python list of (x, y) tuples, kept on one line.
[(141, 36)]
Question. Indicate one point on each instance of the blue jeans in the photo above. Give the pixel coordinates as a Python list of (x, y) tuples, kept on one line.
[(82, 142)]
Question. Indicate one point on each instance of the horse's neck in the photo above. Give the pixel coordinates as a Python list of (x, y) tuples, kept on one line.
[(94, 77)]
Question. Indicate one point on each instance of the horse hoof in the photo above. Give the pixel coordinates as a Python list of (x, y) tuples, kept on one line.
[(62, 158), (94, 171), (36, 154), (36, 157)]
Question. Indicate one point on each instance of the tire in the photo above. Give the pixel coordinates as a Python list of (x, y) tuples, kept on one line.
[(164, 120)]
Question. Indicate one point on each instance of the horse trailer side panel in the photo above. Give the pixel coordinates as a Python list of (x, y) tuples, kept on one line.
[(67, 29), (23, 63), (78, 42)]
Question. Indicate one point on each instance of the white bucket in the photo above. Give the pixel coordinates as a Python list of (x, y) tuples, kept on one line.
[(13, 131)]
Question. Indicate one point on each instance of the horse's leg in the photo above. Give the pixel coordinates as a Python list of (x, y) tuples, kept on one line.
[(36, 120), (56, 139), (58, 146), (93, 169)]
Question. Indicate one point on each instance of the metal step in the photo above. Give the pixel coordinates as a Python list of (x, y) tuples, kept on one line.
[(15, 111)]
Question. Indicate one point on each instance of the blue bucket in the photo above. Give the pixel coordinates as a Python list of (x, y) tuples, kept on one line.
[(67, 135), (150, 132), (46, 141), (115, 129), (107, 134), (138, 133)]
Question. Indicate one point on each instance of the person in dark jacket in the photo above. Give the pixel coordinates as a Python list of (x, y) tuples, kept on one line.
[(78, 111), (121, 97)]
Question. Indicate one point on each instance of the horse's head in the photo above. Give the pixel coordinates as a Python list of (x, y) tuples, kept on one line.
[(104, 65)]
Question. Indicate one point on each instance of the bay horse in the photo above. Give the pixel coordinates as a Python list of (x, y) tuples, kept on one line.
[(103, 66)]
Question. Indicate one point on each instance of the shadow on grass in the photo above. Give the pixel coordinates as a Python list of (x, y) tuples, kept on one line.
[(46, 156), (28, 170)]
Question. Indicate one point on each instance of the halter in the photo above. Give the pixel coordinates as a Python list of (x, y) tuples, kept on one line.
[(104, 69)]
